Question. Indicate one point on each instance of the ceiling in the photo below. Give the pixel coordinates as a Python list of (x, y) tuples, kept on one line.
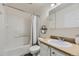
[(34, 8)]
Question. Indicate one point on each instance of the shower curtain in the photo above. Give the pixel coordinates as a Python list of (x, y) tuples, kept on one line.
[(35, 30)]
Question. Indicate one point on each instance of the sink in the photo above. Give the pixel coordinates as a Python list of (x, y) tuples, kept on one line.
[(59, 43)]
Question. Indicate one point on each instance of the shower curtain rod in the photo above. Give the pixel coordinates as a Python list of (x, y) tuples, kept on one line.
[(17, 9)]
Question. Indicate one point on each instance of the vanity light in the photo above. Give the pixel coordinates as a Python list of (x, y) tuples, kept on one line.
[(53, 4)]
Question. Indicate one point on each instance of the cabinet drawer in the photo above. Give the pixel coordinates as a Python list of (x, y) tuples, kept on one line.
[(55, 52)]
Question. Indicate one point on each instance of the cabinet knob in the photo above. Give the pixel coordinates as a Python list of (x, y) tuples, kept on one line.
[(53, 52)]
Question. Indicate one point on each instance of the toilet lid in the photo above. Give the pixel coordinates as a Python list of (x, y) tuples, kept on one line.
[(34, 48)]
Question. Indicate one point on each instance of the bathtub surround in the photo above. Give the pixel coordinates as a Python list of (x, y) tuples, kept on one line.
[(17, 51)]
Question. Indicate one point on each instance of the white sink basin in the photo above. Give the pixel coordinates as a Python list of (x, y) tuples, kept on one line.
[(59, 43)]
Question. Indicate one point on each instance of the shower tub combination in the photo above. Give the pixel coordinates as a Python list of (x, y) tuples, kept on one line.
[(18, 51), (17, 31)]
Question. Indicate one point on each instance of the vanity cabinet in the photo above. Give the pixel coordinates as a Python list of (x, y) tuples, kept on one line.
[(55, 52), (44, 50), (49, 51)]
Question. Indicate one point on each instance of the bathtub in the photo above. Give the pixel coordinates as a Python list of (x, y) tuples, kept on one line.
[(18, 51)]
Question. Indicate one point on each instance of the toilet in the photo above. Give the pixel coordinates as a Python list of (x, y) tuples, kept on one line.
[(35, 50)]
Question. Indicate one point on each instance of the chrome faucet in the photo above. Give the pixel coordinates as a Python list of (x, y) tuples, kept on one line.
[(60, 39)]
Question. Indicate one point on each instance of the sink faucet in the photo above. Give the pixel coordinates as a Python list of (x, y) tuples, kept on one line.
[(60, 39)]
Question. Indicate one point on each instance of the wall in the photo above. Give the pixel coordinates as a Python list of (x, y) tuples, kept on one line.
[(66, 32), (44, 20), (60, 30), (2, 30)]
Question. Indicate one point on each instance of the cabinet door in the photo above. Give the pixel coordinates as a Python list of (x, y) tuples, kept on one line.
[(55, 52), (44, 50)]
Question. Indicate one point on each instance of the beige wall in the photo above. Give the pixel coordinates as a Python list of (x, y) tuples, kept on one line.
[(66, 32)]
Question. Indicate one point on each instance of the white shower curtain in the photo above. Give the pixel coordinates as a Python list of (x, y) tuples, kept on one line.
[(34, 30)]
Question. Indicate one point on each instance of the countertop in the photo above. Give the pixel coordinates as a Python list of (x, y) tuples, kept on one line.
[(73, 50)]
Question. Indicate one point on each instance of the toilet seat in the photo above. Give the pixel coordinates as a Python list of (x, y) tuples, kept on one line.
[(35, 49)]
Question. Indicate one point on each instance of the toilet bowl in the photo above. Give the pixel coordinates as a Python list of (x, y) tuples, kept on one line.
[(35, 50)]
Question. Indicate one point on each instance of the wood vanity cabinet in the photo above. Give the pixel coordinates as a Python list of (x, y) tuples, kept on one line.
[(49, 51)]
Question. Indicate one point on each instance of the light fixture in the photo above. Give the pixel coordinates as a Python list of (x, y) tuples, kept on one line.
[(43, 29), (53, 4)]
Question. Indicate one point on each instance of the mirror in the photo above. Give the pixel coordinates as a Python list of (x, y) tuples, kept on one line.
[(64, 16)]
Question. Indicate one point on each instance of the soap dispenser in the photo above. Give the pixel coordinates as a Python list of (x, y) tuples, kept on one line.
[(77, 39)]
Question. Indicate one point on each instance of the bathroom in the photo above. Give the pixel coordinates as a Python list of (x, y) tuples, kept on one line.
[(39, 29)]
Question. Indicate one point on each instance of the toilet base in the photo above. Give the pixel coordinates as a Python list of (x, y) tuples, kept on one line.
[(36, 54), (29, 54), (35, 50)]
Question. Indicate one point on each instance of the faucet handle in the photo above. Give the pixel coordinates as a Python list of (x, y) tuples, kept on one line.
[(58, 38), (63, 39)]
